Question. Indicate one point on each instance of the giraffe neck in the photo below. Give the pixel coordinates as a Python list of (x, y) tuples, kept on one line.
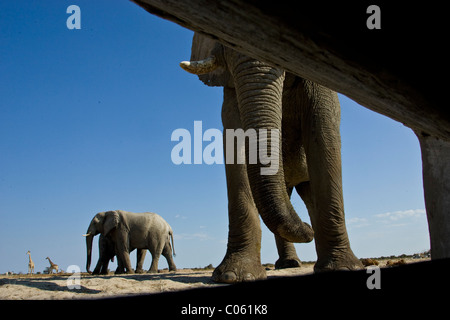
[(29, 256), (51, 263)]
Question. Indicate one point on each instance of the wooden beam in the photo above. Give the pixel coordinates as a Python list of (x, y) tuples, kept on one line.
[(396, 70)]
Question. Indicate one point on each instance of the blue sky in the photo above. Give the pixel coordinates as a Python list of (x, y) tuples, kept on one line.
[(86, 118)]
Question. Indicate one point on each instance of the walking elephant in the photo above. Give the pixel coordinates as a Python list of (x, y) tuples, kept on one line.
[(129, 230), (107, 252), (259, 96)]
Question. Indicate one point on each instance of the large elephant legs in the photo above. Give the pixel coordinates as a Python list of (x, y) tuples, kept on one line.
[(167, 253), (242, 260), (140, 260), (140, 255), (304, 140), (107, 253), (436, 182), (323, 193), (312, 165)]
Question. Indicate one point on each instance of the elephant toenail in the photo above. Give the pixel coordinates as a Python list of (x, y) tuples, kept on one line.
[(249, 277), (229, 277)]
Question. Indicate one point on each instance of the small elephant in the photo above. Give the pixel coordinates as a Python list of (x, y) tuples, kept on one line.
[(259, 96), (107, 252), (129, 230)]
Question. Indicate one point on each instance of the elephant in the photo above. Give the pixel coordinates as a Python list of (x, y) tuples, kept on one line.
[(107, 252), (129, 230), (257, 95)]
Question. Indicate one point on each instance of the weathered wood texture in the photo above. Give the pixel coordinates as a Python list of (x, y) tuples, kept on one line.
[(399, 71)]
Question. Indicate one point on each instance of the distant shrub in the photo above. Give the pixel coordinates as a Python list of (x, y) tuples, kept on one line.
[(369, 262), (391, 263)]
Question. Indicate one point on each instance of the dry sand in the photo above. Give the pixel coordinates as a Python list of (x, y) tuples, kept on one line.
[(55, 287)]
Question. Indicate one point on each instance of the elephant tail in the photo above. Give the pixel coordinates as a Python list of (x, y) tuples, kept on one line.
[(173, 245)]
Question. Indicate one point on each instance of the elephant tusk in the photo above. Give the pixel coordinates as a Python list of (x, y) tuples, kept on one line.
[(201, 66), (86, 235)]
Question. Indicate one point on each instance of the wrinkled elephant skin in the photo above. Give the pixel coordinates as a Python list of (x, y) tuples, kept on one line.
[(259, 96)]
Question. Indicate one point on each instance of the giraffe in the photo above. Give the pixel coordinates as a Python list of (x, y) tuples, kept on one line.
[(52, 266), (30, 263)]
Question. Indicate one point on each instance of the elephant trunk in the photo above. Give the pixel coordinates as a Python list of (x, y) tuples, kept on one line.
[(91, 232), (89, 239), (259, 90)]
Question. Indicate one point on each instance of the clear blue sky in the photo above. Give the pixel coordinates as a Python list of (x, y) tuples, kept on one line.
[(86, 118)]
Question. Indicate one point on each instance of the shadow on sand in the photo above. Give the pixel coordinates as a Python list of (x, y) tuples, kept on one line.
[(41, 284), (407, 290)]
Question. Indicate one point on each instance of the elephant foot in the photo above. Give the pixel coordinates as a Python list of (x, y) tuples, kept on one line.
[(139, 270), (285, 263), (119, 271), (236, 268), (346, 261), (152, 271), (130, 271)]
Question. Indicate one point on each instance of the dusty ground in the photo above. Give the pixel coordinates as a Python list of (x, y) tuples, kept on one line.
[(58, 287)]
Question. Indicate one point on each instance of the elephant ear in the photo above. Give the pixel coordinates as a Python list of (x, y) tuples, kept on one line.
[(203, 47), (111, 222)]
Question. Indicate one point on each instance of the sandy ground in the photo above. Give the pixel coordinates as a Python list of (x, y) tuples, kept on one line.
[(60, 287)]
